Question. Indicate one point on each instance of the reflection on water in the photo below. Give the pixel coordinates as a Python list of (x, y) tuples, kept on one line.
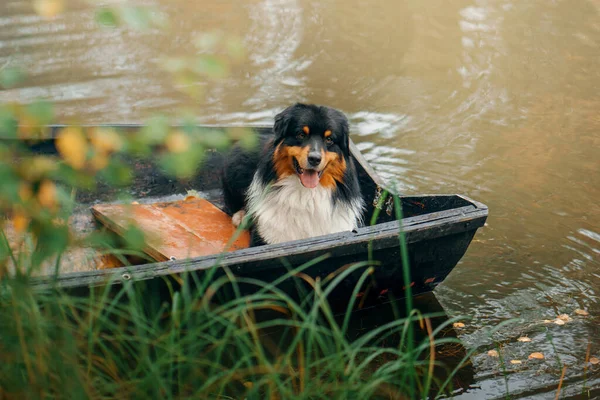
[(497, 100)]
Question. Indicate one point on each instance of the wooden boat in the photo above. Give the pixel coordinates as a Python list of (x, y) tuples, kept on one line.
[(438, 231)]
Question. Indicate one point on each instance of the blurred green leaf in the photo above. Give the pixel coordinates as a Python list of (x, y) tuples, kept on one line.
[(107, 17), (174, 64), (8, 124), (155, 131), (52, 238), (137, 146), (134, 238), (4, 250), (74, 178), (249, 141), (188, 83), (211, 66), (207, 41), (42, 110), (11, 77), (117, 173), (9, 184), (136, 17), (183, 165), (102, 240), (214, 139), (190, 124)]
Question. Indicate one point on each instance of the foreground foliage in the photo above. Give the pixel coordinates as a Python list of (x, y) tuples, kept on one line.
[(205, 341)]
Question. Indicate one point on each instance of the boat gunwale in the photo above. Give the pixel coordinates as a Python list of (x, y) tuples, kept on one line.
[(383, 236)]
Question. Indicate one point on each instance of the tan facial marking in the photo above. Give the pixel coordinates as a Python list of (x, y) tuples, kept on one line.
[(327, 133), (306, 130), (283, 159), (334, 172)]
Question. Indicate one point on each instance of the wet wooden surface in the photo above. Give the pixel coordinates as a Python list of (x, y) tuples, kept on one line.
[(181, 229), (426, 229)]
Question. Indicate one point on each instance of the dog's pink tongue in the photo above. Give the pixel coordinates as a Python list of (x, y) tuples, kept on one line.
[(309, 178)]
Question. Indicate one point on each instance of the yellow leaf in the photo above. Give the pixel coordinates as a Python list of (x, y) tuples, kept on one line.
[(558, 321), (20, 221), (493, 353), (47, 194), (524, 339), (536, 356), (458, 325), (72, 146), (26, 127), (35, 168), (25, 192), (106, 140), (48, 8), (564, 317), (177, 142), (582, 312), (99, 161), (515, 361), (594, 360), (248, 384)]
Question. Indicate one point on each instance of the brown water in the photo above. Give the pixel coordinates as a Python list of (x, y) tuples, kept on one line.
[(497, 100)]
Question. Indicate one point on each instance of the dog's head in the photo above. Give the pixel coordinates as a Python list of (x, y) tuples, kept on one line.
[(311, 142)]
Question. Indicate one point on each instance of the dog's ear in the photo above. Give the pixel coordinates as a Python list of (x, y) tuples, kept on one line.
[(343, 125), (282, 123), (285, 119)]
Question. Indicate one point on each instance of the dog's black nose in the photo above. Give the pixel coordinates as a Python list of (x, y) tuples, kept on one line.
[(314, 159)]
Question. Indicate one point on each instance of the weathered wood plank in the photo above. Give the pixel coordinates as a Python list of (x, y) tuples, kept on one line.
[(347, 243)]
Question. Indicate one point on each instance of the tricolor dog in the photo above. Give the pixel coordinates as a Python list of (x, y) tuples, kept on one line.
[(298, 183)]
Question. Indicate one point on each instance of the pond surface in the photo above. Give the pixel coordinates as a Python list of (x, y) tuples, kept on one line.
[(497, 100)]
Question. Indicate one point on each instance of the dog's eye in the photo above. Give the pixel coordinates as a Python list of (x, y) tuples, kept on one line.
[(301, 136), (328, 141)]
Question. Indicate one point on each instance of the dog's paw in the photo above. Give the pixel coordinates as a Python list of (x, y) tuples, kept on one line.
[(238, 218)]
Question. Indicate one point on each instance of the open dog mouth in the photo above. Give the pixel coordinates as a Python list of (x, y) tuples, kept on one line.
[(309, 177)]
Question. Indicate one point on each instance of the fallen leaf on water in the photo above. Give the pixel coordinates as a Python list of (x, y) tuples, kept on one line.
[(515, 361), (581, 312), (564, 317), (524, 339), (536, 356), (493, 353), (594, 360), (458, 325), (559, 321)]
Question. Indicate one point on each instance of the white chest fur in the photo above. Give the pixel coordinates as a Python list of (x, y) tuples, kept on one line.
[(289, 211)]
